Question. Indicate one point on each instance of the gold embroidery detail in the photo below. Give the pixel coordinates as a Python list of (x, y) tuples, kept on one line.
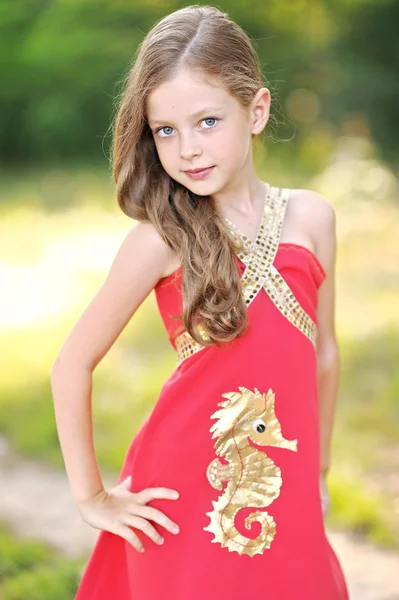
[(253, 478), (260, 265), (186, 345), (280, 292), (258, 257)]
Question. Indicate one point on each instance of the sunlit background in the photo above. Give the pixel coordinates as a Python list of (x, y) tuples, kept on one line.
[(333, 70)]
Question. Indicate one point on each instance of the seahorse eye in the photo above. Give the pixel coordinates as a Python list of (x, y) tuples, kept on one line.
[(259, 426)]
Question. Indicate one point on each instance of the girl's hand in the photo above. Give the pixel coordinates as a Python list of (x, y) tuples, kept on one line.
[(118, 510), (325, 496)]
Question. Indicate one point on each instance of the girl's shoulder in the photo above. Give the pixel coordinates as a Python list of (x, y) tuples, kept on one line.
[(312, 213), (148, 236), (151, 242), (311, 205)]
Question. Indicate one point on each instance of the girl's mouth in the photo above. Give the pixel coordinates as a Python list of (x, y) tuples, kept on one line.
[(199, 173)]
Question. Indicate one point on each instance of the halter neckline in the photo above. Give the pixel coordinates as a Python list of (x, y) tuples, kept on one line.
[(247, 242)]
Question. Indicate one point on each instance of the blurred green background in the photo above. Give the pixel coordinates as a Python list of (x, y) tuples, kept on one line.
[(333, 72)]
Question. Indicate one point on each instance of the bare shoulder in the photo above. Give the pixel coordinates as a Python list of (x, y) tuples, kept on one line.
[(316, 217), (146, 239), (145, 236), (313, 211)]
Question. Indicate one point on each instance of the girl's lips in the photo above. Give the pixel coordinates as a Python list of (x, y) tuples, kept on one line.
[(196, 170), (199, 173)]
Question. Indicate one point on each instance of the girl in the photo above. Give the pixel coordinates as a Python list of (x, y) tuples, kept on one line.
[(243, 273)]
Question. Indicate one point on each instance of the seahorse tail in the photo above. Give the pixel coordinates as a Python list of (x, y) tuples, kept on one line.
[(237, 542)]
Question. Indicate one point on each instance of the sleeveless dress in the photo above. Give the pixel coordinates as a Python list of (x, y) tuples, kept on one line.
[(255, 528)]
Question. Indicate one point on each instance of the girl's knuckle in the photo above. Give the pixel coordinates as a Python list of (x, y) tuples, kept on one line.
[(137, 522), (130, 536), (137, 510), (152, 513), (148, 528)]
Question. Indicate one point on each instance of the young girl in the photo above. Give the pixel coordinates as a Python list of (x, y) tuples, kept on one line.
[(243, 273)]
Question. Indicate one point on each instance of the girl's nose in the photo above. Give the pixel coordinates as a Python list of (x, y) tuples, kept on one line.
[(189, 149)]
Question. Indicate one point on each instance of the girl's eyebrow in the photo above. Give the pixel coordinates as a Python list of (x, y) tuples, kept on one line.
[(194, 116)]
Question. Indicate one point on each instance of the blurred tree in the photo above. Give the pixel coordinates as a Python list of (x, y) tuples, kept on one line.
[(62, 63), (368, 55)]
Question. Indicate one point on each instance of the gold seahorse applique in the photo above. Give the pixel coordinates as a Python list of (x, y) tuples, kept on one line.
[(253, 478)]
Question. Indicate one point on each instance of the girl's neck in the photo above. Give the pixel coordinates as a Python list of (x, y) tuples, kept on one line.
[(243, 204)]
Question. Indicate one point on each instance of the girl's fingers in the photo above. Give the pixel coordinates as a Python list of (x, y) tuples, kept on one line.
[(145, 526), (128, 535), (149, 494), (153, 514)]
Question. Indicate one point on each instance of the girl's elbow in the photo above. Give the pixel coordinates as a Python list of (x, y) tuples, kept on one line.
[(328, 350), (66, 362)]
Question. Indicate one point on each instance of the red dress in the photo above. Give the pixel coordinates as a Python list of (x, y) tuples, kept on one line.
[(252, 406)]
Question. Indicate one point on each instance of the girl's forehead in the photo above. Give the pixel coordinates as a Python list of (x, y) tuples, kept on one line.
[(186, 78), (185, 96)]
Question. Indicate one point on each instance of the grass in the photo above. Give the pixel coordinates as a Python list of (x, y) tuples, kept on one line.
[(54, 256), (364, 485), (30, 569), (361, 510)]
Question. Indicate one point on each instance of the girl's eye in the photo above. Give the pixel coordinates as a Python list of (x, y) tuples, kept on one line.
[(167, 130), (158, 131), (210, 119)]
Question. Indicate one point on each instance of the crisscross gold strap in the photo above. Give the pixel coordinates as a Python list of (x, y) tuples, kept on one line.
[(260, 272)]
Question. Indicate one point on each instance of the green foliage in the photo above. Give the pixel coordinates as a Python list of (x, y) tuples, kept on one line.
[(56, 189), (62, 72), (16, 556), (27, 418), (370, 385), (366, 434), (357, 508), (368, 54), (44, 583), (29, 569), (64, 63), (121, 387)]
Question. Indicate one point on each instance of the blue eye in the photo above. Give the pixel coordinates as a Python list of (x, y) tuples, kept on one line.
[(166, 128), (163, 128), (210, 119)]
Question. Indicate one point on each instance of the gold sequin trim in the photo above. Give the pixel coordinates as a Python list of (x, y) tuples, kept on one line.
[(259, 261), (280, 292), (258, 257), (186, 346)]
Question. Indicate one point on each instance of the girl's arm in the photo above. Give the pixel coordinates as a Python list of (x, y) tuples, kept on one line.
[(328, 361), (140, 262)]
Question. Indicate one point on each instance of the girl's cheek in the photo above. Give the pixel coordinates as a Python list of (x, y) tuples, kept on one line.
[(162, 154), (167, 162)]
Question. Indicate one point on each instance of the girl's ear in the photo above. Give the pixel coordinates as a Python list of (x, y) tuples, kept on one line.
[(260, 110)]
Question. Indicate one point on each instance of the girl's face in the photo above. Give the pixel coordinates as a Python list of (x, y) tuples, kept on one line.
[(195, 126)]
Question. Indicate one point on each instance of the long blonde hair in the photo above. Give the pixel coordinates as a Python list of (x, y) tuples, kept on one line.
[(206, 40)]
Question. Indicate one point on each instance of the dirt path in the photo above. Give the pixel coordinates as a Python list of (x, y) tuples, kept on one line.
[(36, 501)]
